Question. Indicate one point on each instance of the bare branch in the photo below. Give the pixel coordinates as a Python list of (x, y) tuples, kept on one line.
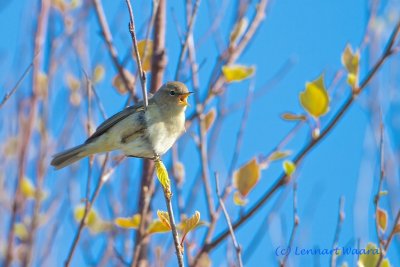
[(228, 221), (339, 225), (142, 73)]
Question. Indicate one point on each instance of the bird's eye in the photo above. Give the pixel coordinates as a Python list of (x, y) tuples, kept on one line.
[(172, 92)]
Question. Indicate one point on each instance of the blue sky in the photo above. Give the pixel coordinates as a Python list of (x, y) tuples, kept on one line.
[(313, 35)]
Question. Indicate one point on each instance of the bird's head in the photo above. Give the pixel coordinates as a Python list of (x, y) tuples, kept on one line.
[(173, 94)]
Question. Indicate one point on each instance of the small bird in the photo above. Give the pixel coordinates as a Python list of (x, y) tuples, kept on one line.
[(135, 131)]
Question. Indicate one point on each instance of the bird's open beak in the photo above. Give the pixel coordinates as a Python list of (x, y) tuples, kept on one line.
[(183, 98)]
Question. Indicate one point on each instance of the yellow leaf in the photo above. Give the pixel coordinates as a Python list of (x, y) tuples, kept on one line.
[(11, 146), (383, 193), (246, 177), (204, 261), (370, 257), (98, 73), (289, 167), (145, 56), (277, 155), (27, 188), (179, 172), (75, 4), (238, 199), (130, 222), (315, 98), (61, 5), (72, 82), (238, 30), (382, 217), (189, 224), (75, 98), (293, 117), (164, 218), (237, 73), (162, 174), (91, 219), (21, 231), (351, 61), (157, 227), (118, 82), (42, 82), (209, 119)]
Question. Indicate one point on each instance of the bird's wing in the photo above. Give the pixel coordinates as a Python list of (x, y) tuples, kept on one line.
[(110, 122)]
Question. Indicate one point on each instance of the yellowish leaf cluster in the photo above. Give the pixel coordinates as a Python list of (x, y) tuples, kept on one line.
[(244, 180), (94, 222), (65, 5), (118, 82), (315, 99), (29, 191), (237, 73), (161, 224), (277, 155), (128, 222), (145, 48), (209, 119), (74, 84), (371, 259), (98, 73), (293, 117), (289, 167), (351, 61), (162, 174), (382, 218)]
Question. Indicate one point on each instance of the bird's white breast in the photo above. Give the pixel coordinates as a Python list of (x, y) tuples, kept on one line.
[(164, 130)]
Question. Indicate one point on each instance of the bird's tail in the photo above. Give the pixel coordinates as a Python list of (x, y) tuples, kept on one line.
[(69, 156)]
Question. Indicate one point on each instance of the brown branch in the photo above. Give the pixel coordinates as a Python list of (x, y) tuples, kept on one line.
[(284, 179), (147, 184), (142, 74), (105, 31), (228, 221), (28, 128), (178, 247)]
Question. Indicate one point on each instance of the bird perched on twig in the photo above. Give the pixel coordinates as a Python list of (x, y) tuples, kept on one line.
[(135, 131)]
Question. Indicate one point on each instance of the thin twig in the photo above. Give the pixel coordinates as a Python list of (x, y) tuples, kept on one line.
[(296, 222), (142, 74), (228, 221), (378, 193), (337, 232), (188, 34), (178, 247), (16, 86)]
